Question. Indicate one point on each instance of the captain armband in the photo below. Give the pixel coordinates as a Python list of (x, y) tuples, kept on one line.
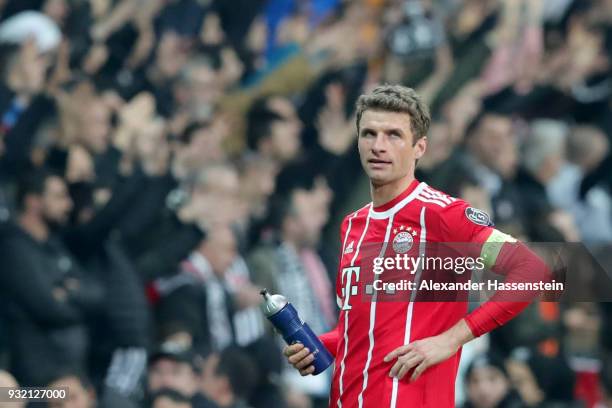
[(493, 245)]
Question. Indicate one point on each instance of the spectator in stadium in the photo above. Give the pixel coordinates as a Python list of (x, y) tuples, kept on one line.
[(543, 155), (257, 182), (489, 156), (488, 384), (297, 219), (217, 203), (460, 110), (200, 143), (218, 185), (247, 320), (541, 381), (583, 323), (95, 135), (600, 176), (195, 304), (540, 324), (273, 129), (22, 102), (169, 398), (176, 368), (121, 327), (291, 265), (267, 391), (5, 205), (606, 387), (586, 149), (172, 367), (80, 393), (50, 296), (228, 378), (161, 209), (7, 380), (439, 150), (199, 87), (606, 339)]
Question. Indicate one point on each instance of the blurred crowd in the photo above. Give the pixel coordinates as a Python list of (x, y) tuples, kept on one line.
[(161, 161)]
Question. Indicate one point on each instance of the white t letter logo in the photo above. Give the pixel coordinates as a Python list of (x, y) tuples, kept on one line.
[(349, 287)]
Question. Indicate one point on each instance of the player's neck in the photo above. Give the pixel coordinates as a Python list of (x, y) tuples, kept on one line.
[(383, 193)]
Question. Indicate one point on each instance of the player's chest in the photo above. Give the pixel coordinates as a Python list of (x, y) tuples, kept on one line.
[(372, 248), (369, 238)]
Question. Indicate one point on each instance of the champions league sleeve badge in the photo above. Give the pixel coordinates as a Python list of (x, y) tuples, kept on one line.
[(478, 217)]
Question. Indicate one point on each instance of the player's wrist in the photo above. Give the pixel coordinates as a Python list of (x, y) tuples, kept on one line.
[(451, 341), (458, 335)]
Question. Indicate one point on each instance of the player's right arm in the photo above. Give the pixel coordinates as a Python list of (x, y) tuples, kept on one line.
[(507, 256), (301, 358), (330, 340), (500, 252)]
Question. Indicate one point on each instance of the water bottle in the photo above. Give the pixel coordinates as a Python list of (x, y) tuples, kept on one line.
[(286, 320)]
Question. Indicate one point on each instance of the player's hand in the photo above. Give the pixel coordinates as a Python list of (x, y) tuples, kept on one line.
[(300, 358), (420, 355)]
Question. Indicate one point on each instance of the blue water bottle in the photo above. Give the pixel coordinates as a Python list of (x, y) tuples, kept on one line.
[(286, 320)]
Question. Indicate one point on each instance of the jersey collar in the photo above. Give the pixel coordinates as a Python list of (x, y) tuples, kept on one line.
[(390, 208)]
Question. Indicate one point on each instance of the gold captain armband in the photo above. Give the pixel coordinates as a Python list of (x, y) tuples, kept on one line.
[(492, 246)]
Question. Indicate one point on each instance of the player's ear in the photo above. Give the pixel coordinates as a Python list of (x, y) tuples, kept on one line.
[(420, 146)]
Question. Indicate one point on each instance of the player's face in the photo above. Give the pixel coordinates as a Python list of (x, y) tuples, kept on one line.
[(386, 146)]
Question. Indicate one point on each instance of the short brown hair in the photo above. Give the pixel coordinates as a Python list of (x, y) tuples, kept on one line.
[(397, 98)]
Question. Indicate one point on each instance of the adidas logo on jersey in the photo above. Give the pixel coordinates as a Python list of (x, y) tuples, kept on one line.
[(349, 248)]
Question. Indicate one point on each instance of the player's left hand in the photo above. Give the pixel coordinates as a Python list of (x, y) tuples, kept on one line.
[(420, 355)]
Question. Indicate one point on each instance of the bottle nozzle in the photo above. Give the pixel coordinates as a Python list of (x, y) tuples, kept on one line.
[(272, 303)]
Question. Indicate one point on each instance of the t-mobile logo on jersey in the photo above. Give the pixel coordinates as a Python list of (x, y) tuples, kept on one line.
[(349, 285)]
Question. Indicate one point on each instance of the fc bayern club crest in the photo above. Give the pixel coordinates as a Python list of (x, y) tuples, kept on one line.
[(404, 239)]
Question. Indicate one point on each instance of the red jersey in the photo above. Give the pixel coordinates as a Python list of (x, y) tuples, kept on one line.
[(368, 331)]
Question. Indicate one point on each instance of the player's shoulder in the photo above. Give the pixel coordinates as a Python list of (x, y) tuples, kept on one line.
[(436, 200), (360, 213), (453, 208)]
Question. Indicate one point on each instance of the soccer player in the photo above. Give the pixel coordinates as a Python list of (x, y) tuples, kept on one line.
[(406, 353)]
